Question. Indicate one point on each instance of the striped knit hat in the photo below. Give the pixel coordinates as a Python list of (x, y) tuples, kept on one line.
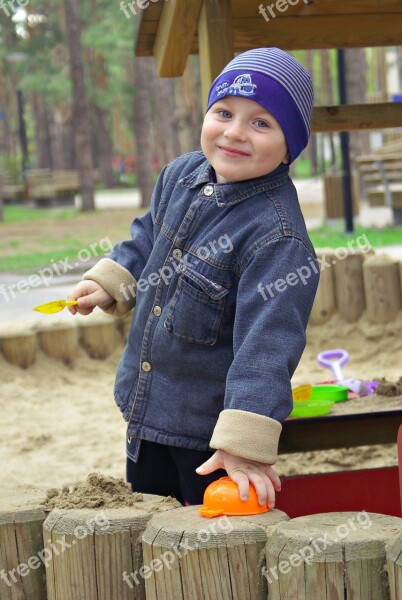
[(279, 83)]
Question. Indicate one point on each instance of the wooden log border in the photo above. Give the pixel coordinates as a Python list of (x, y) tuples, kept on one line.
[(343, 289)]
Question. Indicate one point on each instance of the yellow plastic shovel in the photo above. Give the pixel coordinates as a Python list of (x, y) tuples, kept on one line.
[(55, 306)]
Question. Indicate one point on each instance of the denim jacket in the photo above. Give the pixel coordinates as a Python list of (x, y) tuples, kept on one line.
[(223, 277)]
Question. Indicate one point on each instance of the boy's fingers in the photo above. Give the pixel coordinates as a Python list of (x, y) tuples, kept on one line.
[(264, 489), (261, 488), (209, 466), (276, 482), (270, 494), (242, 481)]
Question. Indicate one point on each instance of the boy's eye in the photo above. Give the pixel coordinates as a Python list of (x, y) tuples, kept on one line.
[(224, 113), (261, 123)]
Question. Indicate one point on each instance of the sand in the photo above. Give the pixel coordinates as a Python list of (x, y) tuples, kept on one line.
[(99, 491), (60, 423)]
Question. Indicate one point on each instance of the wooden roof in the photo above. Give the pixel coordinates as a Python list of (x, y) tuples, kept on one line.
[(170, 30)]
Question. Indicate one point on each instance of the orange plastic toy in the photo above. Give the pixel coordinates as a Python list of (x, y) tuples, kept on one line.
[(222, 498)]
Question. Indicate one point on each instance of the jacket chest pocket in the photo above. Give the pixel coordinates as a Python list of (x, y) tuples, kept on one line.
[(196, 309)]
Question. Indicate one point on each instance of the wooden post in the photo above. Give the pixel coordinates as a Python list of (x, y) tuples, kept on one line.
[(333, 193), (215, 41), (394, 568), (60, 342), (21, 542), (102, 555), (330, 556), (349, 286), (19, 349), (324, 303), (382, 288), (174, 36), (99, 338), (188, 556)]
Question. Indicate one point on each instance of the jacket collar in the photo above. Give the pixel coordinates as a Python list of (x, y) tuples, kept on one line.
[(226, 194)]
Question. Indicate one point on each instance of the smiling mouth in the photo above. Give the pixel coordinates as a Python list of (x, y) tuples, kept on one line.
[(232, 151)]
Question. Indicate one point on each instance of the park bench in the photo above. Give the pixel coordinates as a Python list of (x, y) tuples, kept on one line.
[(65, 181), (381, 175), (11, 189), (40, 186), (47, 187)]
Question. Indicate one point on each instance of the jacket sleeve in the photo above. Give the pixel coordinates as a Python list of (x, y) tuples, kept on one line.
[(119, 272), (275, 296)]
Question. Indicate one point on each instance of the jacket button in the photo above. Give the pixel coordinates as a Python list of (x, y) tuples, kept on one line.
[(208, 190), (157, 311), (177, 254), (146, 366)]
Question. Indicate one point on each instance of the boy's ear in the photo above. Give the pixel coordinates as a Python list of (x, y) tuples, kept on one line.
[(286, 159)]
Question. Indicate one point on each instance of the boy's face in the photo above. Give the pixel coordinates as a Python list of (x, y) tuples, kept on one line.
[(242, 140)]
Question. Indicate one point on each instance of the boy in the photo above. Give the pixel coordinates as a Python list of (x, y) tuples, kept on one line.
[(223, 276)]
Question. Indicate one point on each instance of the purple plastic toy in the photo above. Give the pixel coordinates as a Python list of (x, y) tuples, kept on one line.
[(334, 360), (328, 359)]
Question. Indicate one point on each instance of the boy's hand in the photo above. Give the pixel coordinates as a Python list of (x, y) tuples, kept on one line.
[(243, 471), (89, 294)]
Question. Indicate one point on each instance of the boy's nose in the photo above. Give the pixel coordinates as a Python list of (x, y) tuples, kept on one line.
[(235, 131)]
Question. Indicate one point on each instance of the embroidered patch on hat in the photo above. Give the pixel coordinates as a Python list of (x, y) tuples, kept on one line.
[(242, 85)]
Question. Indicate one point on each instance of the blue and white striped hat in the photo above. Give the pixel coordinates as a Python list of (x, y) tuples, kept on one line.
[(274, 79)]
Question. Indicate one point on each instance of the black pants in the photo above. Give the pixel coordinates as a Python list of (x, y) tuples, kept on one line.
[(170, 471)]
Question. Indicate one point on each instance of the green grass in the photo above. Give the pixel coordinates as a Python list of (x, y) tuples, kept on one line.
[(49, 246), (334, 236), (302, 168), (59, 259), (32, 238), (22, 214)]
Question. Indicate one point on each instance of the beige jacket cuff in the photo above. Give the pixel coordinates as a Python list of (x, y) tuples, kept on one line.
[(118, 282), (248, 435)]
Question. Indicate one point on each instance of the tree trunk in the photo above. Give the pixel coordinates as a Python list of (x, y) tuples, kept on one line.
[(62, 137), (381, 72), (191, 114), (7, 143), (103, 144), (328, 93), (356, 81), (42, 132), (165, 112), (142, 129), (80, 107)]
